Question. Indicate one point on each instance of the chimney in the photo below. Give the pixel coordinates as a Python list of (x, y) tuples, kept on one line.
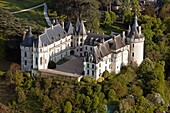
[(123, 36), (52, 27), (54, 22), (139, 30), (103, 38), (62, 24), (24, 35)]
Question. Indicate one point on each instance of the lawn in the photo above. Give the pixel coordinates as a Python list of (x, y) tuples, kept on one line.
[(35, 15), (117, 27)]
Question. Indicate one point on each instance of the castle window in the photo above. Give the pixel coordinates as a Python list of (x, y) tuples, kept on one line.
[(100, 65), (132, 54), (87, 72), (92, 66), (87, 65), (40, 60), (92, 73), (36, 60), (90, 48), (25, 62), (25, 54)]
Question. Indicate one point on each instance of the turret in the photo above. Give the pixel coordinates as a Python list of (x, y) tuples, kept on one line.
[(136, 43)]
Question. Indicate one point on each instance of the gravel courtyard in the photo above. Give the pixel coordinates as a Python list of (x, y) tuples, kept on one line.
[(74, 65)]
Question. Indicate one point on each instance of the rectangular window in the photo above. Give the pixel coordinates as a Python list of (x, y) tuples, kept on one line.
[(92, 66), (90, 48), (92, 73), (25, 62), (99, 64), (133, 45), (86, 47), (25, 54), (106, 61), (81, 49), (87, 72), (110, 66), (41, 61), (99, 71), (87, 65), (132, 54), (105, 67)]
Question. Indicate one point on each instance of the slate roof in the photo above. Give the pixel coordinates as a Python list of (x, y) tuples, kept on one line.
[(102, 49), (92, 38), (51, 35), (28, 39), (117, 3), (117, 43), (69, 28)]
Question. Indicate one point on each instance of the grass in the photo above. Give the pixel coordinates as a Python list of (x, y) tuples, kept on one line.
[(117, 27), (36, 15)]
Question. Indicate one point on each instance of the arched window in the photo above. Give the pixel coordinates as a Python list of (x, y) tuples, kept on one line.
[(40, 60)]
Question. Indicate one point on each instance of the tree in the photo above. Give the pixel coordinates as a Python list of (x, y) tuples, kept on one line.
[(167, 24), (21, 95), (84, 9), (14, 75), (112, 16), (68, 107), (149, 10)]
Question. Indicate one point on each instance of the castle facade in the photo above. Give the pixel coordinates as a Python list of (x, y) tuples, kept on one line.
[(101, 52)]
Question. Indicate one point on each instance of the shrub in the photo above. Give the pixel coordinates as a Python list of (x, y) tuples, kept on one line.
[(51, 65)]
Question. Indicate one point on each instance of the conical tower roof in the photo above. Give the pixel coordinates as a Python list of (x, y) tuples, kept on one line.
[(28, 39), (69, 27), (82, 29)]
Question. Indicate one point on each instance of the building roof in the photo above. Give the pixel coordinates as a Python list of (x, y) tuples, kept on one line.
[(51, 35), (102, 49), (117, 3), (28, 39), (69, 28), (92, 38)]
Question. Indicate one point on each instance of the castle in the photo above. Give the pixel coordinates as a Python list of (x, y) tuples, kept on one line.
[(101, 52)]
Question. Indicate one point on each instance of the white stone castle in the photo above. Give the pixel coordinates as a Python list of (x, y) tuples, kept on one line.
[(100, 52)]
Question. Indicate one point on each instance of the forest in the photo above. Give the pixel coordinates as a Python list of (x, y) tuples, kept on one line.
[(143, 89)]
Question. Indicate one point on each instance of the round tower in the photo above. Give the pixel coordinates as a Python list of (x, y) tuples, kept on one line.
[(26, 51), (136, 43)]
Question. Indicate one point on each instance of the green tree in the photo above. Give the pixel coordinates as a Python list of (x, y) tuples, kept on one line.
[(112, 16), (21, 95), (107, 18), (68, 107)]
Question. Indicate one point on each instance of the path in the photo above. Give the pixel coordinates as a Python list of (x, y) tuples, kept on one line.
[(45, 12)]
